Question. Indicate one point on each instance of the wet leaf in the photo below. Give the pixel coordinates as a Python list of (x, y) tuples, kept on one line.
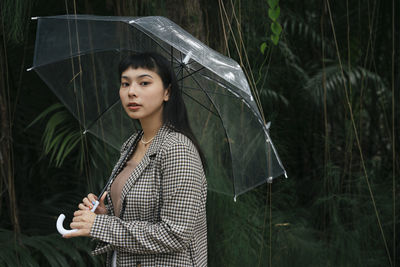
[(273, 13), (273, 3), (276, 28), (275, 39), (263, 47)]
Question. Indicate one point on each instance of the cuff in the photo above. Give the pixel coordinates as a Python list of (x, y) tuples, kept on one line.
[(100, 222)]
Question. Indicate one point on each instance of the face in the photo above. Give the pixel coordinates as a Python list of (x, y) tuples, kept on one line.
[(142, 94)]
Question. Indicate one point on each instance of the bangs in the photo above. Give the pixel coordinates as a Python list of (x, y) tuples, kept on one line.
[(143, 60)]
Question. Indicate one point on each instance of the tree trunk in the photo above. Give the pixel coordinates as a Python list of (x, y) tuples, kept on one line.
[(6, 150), (188, 15)]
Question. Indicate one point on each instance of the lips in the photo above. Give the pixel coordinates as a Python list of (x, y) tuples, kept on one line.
[(133, 106)]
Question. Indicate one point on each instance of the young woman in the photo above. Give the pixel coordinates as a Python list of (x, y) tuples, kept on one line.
[(156, 205)]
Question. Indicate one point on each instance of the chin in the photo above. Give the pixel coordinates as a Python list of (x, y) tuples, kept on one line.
[(135, 117)]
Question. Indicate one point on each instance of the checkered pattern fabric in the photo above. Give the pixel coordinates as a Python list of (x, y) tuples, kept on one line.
[(162, 219)]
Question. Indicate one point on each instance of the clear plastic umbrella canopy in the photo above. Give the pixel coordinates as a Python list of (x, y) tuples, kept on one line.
[(78, 56)]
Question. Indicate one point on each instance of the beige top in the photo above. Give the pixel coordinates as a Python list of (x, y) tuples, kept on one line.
[(118, 184)]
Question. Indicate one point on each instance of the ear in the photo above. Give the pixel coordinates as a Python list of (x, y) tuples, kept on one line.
[(167, 93)]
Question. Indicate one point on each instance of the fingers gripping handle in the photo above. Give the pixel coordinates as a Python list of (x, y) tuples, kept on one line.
[(60, 220)]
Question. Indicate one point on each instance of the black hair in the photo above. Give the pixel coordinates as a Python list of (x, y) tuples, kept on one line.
[(174, 110)]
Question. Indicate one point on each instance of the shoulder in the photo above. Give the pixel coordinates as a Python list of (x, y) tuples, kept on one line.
[(177, 145), (180, 159), (176, 140)]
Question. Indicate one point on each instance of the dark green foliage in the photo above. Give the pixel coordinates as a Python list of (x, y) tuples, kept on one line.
[(44, 250), (314, 89)]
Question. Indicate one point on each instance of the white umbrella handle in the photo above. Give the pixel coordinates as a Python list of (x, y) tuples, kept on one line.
[(60, 220)]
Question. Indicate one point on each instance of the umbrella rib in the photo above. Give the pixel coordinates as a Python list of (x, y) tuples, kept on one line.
[(81, 53), (101, 114), (187, 64), (179, 72), (200, 104), (255, 111), (116, 169), (111, 106), (144, 31), (84, 53), (215, 93), (190, 73), (181, 67), (226, 134)]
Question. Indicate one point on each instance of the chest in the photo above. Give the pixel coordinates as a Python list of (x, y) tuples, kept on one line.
[(139, 152), (140, 197)]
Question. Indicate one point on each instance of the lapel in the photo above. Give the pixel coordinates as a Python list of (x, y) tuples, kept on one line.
[(150, 153), (126, 148)]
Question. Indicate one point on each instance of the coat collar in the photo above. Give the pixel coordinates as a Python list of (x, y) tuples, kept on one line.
[(153, 149), (158, 140)]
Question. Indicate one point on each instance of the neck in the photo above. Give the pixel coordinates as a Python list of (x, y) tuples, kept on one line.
[(150, 128)]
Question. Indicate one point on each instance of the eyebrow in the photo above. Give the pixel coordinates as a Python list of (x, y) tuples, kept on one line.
[(140, 76)]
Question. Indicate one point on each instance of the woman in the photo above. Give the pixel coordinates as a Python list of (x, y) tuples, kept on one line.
[(156, 211)]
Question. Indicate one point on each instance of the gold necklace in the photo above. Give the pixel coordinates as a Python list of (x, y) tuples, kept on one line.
[(145, 143)]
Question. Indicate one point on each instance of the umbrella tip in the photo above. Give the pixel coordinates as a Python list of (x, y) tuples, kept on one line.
[(34, 18), (285, 174), (269, 180), (234, 198), (29, 69)]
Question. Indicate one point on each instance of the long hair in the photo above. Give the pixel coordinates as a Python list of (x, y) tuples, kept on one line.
[(174, 110)]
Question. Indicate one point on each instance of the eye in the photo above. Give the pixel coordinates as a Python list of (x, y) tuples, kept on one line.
[(144, 83), (124, 84)]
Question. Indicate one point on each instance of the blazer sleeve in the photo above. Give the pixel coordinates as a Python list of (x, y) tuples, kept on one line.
[(182, 182)]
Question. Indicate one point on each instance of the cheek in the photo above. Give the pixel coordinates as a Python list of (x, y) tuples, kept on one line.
[(149, 97)]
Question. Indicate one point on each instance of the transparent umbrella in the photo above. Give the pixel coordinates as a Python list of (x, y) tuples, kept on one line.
[(77, 56)]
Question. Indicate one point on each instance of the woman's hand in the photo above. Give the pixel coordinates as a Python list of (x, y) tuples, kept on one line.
[(84, 218), (87, 203), (83, 221)]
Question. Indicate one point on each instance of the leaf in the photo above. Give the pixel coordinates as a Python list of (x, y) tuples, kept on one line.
[(275, 39), (276, 28), (66, 145), (273, 13), (273, 3), (53, 257), (44, 113), (263, 47)]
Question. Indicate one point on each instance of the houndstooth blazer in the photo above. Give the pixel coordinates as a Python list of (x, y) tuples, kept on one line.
[(162, 219)]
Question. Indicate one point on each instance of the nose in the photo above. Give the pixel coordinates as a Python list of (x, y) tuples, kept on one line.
[(132, 90)]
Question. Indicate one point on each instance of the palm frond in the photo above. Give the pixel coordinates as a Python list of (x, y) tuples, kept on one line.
[(353, 78), (49, 250)]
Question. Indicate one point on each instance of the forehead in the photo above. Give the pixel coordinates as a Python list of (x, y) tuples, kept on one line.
[(131, 73)]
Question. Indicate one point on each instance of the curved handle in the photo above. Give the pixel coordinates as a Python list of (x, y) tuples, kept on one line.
[(61, 218)]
